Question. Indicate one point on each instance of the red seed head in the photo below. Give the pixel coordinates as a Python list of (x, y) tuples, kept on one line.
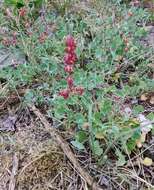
[(14, 42), (15, 34), (125, 40), (126, 49), (29, 33), (70, 82), (130, 14), (136, 3), (74, 57), (70, 49), (79, 90), (22, 12), (6, 42), (68, 68), (42, 37), (70, 42), (70, 58), (67, 58), (64, 93), (27, 24)]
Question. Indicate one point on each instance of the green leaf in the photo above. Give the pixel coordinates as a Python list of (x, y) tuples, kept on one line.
[(80, 119), (136, 134), (150, 116), (98, 53), (133, 123), (106, 107), (29, 96), (60, 111), (96, 148), (138, 109), (10, 2), (121, 158), (101, 129), (78, 145), (16, 3), (81, 136), (97, 118), (131, 144)]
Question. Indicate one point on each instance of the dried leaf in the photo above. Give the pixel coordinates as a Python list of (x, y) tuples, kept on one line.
[(146, 126), (152, 100), (104, 181), (145, 123), (99, 135), (85, 126), (140, 141), (151, 65), (8, 124), (127, 111), (143, 97), (147, 161)]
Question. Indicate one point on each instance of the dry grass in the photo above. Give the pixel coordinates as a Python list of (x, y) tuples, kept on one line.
[(41, 164)]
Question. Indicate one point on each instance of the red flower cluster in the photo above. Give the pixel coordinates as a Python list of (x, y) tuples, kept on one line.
[(69, 61), (43, 37), (126, 43), (135, 3), (10, 41), (70, 56), (22, 12)]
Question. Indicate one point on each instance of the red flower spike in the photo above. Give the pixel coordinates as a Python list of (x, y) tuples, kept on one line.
[(66, 58), (70, 82), (70, 42), (70, 58), (79, 90), (74, 58), (70, 49), (64, 93), (68, 68)]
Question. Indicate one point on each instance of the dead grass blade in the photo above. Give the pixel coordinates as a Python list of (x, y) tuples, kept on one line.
[(15, 162)]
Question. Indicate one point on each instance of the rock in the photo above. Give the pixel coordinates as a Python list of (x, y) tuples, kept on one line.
[(8, 58)]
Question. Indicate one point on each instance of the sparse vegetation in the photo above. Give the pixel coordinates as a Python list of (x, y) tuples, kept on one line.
[(88, 67)]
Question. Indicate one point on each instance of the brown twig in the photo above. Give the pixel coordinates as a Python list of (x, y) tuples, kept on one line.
[(15, 163), (66, 149)]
